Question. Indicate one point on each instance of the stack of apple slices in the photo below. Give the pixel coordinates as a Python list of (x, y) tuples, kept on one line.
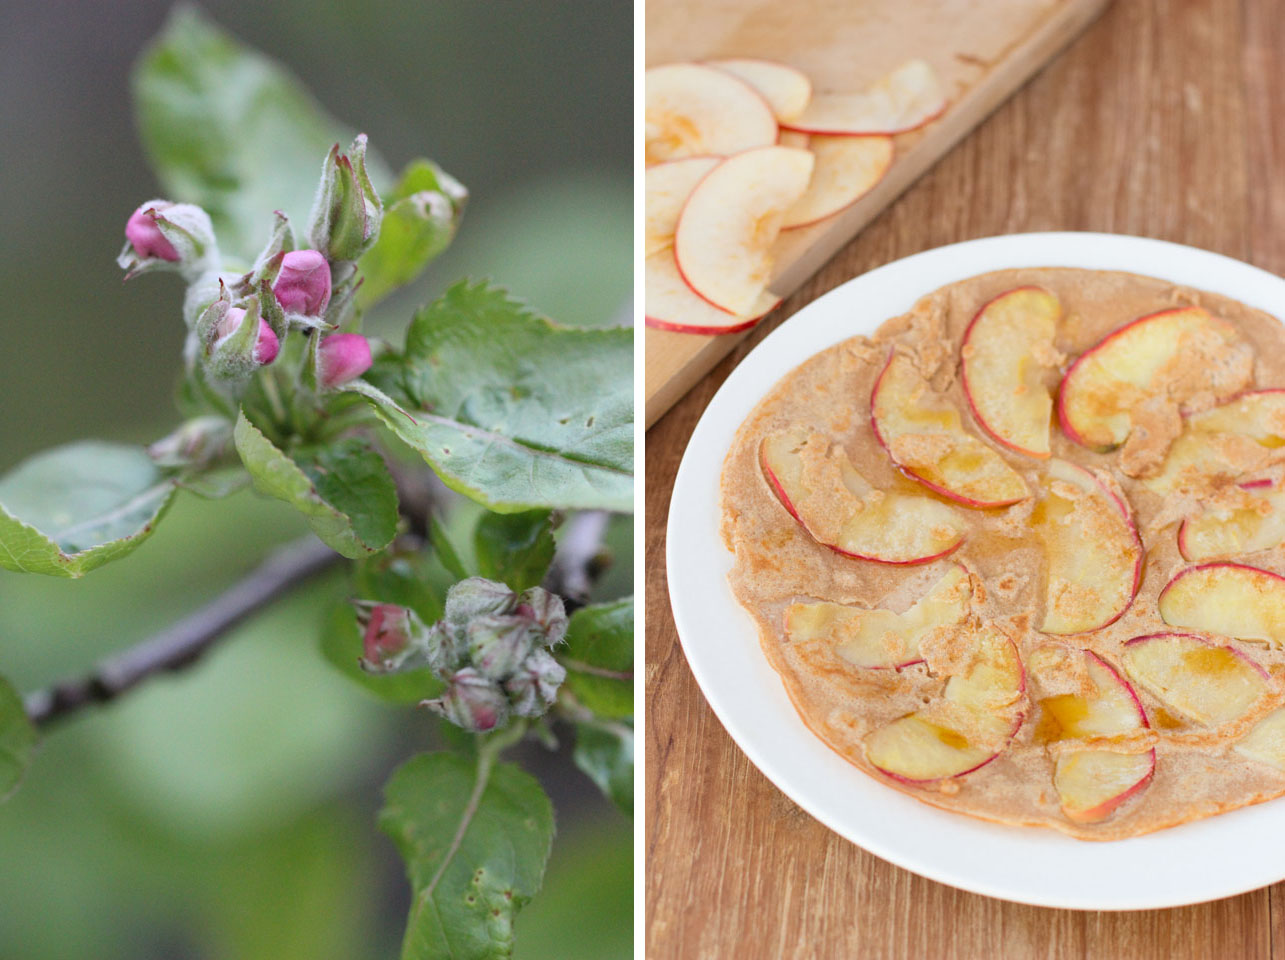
[(738, 150)]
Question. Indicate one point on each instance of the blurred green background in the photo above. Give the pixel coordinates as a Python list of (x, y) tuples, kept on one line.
[(228, 812)]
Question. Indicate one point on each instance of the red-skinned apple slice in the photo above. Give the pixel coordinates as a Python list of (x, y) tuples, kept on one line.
[(1005, 358), (1230, 599), (1252, 519), (1266, 741), (816, 482), (668, 187), (1204, 682), (967, 727), (786, 90), (693, 110), (847, 168), (1092, 547), (1149, 360), (1225, 442), (925, 437), (906, 98), (1093, 783), (669, 303), (731, 220), (880, 638)]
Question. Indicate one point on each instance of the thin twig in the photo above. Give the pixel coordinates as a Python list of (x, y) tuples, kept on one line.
[(183, 642)]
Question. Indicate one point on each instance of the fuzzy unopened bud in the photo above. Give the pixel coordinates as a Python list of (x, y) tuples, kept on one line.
[(161, 235), (386, 635), (534, 687), (498, 643), (472, 702), (195, 443), (547, 610), (342, 357), (266, 345), (347, 212), (476, 597), (303, 283), (145, 236)]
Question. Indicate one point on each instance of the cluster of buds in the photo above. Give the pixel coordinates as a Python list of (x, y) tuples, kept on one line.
[(491, 649)]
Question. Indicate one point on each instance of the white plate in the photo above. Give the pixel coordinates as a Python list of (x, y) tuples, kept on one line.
[(1212, 858)]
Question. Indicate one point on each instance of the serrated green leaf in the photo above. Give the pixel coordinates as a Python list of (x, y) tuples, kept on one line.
[(228, 128), (599, 657), (341, 646), (605, 752), (420, 220), (17, 739), (475, 842), (71, 509), (343, 490), (515, 548), (512, 410)]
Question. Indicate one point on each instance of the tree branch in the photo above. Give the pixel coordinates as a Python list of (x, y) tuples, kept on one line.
[(183, 642)]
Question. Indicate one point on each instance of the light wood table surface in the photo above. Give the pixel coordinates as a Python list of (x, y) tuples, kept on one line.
[(1166, 119)]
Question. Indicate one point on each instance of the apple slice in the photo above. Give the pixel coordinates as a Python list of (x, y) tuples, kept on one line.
[(1093, 783), (693, 110), (669, 303), (963, 730), (732, 219), (847, 168), (1164, 358), (880, 638), (1252, 519), (792, 138), (1005, 357), (786, 90), (1219, 445), (1093, 550), (668, 187), (816, 482), (1230, 599), (1113, 708), (1266, 741), (1207, 683), (906, 98), (926, 439)]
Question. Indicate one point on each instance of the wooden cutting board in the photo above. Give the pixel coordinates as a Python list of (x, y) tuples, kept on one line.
[(983, 50)]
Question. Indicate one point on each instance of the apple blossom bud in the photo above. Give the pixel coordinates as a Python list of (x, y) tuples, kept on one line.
[(386, 635), (534, 687), (498, 643), (198, 442), (161, 235), (266, 346), (347, 211), (146, 237), (472, 702), (477, 597), (547, 610), (303, 283), (342, 357)]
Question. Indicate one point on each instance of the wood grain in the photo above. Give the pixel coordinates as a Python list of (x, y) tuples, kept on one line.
[(983, 50), (1161, 120)]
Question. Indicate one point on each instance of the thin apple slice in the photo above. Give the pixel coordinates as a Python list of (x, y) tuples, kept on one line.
[(1209, 684), (1230, 599), (1092, 547), (669, 304), (668, 187), (914, 749), (1093, 783), (1005, 358), (731, 220), (1248, 519), (847, 168), (786, 90), (792, 138), (693, 110), (816, 482), (880, 638), (1219, 445), (992, 681), (1142, 374), (1111, 710), (906, 98), (1266, 741), (925, 437)]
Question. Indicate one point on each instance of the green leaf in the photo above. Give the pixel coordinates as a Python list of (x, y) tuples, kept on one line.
[(605, 752), (515, 548), (512, 410), (446, 552), (17, 739), (228, 128), (216, 484), (475, 839), (599, 657), (420, 219), (71, 509), (415, 579), (341, 646), (344, 490)]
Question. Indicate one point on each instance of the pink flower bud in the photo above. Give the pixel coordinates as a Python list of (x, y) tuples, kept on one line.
[(388, 633), (472, 702), (145, 236), (342, 357), (303, 284), (266, 347)]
